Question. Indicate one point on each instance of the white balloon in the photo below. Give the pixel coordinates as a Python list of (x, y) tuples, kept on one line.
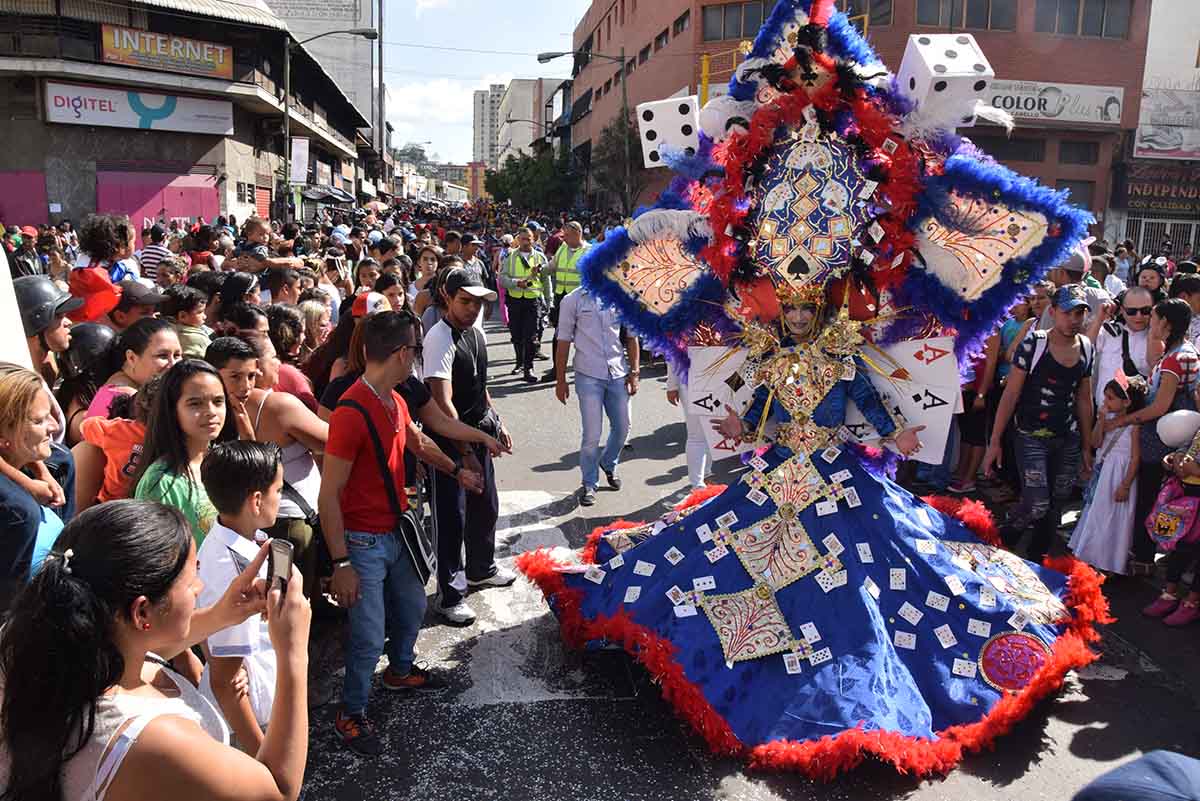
[(1176, 429)]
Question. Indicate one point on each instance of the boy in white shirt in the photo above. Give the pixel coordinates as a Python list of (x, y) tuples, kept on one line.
[(244, 481)]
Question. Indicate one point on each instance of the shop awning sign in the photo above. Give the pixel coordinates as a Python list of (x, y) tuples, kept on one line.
[(1035, 101), (77, 104), (167, 53)]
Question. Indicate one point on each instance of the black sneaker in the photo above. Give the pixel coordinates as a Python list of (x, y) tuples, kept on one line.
[(612, 479), (587, 496), (417, 680), (529, 378), (358, 734)]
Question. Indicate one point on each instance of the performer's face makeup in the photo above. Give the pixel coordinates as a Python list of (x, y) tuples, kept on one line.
[(799, 319)]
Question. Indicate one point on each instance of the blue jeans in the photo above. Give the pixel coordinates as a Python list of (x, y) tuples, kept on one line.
[(599, 397), (391, 605), (1049, 467)]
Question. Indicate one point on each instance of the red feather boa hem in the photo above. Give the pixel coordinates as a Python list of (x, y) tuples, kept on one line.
[(827, 757)]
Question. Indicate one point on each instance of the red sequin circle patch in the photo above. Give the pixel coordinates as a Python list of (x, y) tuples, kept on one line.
[(1009, 660)]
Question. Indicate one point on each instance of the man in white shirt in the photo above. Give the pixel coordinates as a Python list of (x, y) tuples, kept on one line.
[(1123, 346)]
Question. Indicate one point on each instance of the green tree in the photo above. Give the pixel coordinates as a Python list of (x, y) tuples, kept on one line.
[(619, 140), (540, 181)]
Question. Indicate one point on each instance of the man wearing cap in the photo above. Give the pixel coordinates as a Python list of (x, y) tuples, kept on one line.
[(154, 253), (25, 259), (524, 281), (136, 301), (606, 375), (1072, 271), (470, 256), (456, 363), (1049, 392)]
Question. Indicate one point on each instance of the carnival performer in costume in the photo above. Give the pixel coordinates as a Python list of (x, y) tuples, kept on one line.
[(836, 242)]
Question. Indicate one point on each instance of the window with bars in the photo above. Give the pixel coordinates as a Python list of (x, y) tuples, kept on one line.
[(1081, 192), (681, 23), (732, 21), (661, 40), (1070, 152), (995, 15), (644, 56), (1100, 18)]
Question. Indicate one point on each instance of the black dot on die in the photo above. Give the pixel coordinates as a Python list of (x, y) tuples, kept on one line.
[(939, 68), (968, 120), (647, 115), (940, 86), (691, 151), (979, 68), (651, 135), (653, 155), (684, 108), (686, 130), (912, 83), (980, 86), (924, 40), (951, 54), (963, 40)]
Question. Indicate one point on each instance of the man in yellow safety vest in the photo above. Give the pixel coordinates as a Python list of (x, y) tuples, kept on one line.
[(526, 282), (564, 267)]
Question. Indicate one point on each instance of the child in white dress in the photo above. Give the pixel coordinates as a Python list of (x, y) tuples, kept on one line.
[(1105, 528)]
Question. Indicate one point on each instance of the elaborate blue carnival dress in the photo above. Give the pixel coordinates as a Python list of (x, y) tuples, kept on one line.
[(815, 612)]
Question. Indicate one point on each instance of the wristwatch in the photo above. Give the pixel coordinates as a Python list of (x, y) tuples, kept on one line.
[(457, 467), (338, 564)]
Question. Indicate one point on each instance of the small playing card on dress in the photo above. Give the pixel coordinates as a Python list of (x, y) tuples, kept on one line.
[(1019, 620), (616, 561), (716, 553), (945, 636), (849, 371), (658, 527), (871, 587), (791, 663), (866, 256), (964, 667), (811, 635), (676, 595), (831, 454), (759, 464), (905, 639), (833, 544), (727, 520), (643, 568), (937, 601), (704, 533), (987, 598), (876, 231), (961, 562), (890, 145), (926, 547), (980, 628), (955, 584), (896, 262), (840, 578), (685, 610), (852, 499), (841, 476), (897, 579), (868, 188), (820, 657), (911, 613), (632, 594), (595, 575), (825, 580), (757, 497), (704, 583), (673, 555), (999, 583), (826, 508), (864, 553)]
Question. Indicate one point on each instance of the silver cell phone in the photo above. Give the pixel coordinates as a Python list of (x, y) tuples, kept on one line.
[(279, 564)]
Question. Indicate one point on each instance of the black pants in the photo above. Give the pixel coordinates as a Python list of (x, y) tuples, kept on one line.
[(558, 299), (1149, 482), (522, 325), (463, 518)]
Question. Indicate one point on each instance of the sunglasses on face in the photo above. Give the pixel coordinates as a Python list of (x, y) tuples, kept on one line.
[(1140, 310), (416, 349)]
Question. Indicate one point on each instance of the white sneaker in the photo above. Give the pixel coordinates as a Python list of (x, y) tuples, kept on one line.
[(501, 578), (460, 614)]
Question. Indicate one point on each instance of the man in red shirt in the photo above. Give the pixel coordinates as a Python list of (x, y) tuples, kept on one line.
[(374, 576)]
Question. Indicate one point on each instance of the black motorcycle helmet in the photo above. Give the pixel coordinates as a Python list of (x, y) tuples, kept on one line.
[(40, 301), (88, 354)]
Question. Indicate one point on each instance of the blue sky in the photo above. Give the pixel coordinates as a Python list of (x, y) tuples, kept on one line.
[(429, 91)]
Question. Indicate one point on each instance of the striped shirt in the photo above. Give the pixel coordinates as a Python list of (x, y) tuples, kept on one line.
[(152, 255)]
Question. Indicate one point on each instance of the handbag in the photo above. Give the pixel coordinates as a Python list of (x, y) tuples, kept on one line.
[(1172, 519), (415, 539)]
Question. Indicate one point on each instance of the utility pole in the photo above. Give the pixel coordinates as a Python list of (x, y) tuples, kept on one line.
[(625, 134)]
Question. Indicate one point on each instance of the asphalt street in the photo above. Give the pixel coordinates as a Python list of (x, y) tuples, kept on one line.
[(527, 719)]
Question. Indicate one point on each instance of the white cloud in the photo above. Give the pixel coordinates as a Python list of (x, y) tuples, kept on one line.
[(440, 110), (428, 5)]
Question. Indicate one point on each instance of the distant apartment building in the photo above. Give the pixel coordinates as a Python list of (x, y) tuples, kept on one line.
[(487, 123), (525, 112)]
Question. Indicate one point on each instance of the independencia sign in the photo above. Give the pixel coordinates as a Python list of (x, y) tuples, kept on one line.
[(161, 51), (1058, 102), (1160, 189), (76, 104)]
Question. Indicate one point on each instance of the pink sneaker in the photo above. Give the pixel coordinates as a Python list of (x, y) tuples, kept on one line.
[(1162, 606), (1185, 614)]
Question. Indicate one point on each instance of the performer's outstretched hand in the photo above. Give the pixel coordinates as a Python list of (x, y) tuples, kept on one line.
[(907, 441), (730, 426)]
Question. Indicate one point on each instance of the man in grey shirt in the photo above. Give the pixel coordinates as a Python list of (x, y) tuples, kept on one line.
[(606, 376)]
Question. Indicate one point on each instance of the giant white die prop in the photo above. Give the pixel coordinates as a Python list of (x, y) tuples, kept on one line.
[(674, 122), (945, 74)]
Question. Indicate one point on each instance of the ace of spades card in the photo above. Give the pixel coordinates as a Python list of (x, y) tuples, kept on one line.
[(719, 377), (923, 386)]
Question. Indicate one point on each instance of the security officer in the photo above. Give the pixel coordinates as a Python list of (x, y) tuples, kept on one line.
[(564, 267), (525, 282)]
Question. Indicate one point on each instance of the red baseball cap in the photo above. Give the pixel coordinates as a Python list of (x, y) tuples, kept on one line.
[(29, 230)]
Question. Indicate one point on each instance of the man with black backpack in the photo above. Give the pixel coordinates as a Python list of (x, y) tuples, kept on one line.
[(1049, 390), (1125, 344), (381, 559)]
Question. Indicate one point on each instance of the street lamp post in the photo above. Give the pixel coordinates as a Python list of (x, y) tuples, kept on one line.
[(366, 33), (544, 58)]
